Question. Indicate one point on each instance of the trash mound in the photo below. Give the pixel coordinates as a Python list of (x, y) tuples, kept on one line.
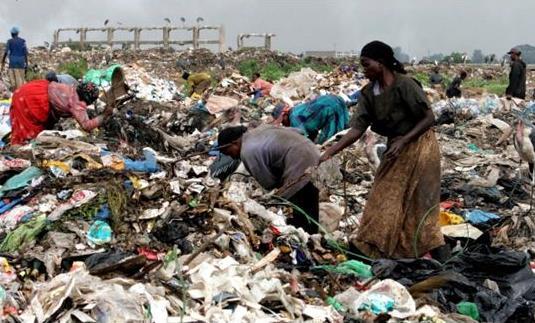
[(143, 221)]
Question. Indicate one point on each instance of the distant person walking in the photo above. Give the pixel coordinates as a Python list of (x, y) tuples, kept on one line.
[(454, 89), (17, 52), (517, 76)]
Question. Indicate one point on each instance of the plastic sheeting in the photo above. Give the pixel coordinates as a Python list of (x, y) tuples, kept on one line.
[(20, 180), (101, 77), (217, 104), (462, 279), (297, 85)]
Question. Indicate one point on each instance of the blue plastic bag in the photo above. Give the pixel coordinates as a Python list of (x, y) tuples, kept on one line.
[(148, 165), (378, 304), (104, 212), (20, 180), (478, 216), (8, 206), (99, 232)]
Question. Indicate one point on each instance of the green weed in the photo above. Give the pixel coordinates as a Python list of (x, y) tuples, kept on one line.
[(495, 86), (274, 71), (76, 69)]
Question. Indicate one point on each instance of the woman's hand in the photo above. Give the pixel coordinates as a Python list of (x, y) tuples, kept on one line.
[(108, 111), (324, 157), (349, 138), (396, 146)]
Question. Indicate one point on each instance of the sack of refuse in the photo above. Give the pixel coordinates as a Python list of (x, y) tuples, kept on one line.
[(387, 296), (296, 85), (490, 104)]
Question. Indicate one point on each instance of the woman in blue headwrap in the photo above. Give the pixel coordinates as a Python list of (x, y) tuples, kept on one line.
[(319, 119)]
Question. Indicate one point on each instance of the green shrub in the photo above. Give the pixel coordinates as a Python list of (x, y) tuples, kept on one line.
[(76, 69), (495, 86), (248, 67), (274, 71), (422, 78)]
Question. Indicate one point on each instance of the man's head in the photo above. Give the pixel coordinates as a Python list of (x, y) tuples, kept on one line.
[(514, 53), (281, 114), (87, 92), (436, 69), (229, 141), (185, 75), (463, 74), (14, 31), (256, 76)]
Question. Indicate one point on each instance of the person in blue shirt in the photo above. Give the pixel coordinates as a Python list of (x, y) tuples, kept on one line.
[(319, 119), (17, 52)]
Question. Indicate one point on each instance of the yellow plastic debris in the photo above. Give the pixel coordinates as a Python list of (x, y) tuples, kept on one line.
[(4, 266), (91, 163), (196, 96), (114, 162), (55, 163), (449, 218), (285, 249), (341, 258)]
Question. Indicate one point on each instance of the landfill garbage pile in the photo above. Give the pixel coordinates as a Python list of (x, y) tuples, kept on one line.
[(169, 65), (130, 222)]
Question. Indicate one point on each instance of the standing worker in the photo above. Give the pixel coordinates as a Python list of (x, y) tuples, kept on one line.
[(454, 89), (199, 82), (18, 59), (278, 158), (326, 115), (38, 105), (400, 219), (517, 76)]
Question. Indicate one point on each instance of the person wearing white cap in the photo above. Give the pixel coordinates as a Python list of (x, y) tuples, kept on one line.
[(517, 76), (18, 59)]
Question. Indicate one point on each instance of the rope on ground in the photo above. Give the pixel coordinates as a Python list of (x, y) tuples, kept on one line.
[(330, 241), (417, 234)]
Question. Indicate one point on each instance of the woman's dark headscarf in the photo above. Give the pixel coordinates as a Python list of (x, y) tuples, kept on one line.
[(381, 52)]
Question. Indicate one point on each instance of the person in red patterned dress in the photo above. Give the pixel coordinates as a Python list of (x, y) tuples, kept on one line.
[(38, 105)]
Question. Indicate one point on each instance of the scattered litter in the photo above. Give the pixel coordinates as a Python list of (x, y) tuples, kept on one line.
[(143, 220)]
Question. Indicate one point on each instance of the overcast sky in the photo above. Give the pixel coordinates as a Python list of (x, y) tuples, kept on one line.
[(418, 26)]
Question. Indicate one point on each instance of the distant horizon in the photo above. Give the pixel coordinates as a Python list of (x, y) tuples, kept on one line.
[(116, 47), (353, 51), (420, 27)]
